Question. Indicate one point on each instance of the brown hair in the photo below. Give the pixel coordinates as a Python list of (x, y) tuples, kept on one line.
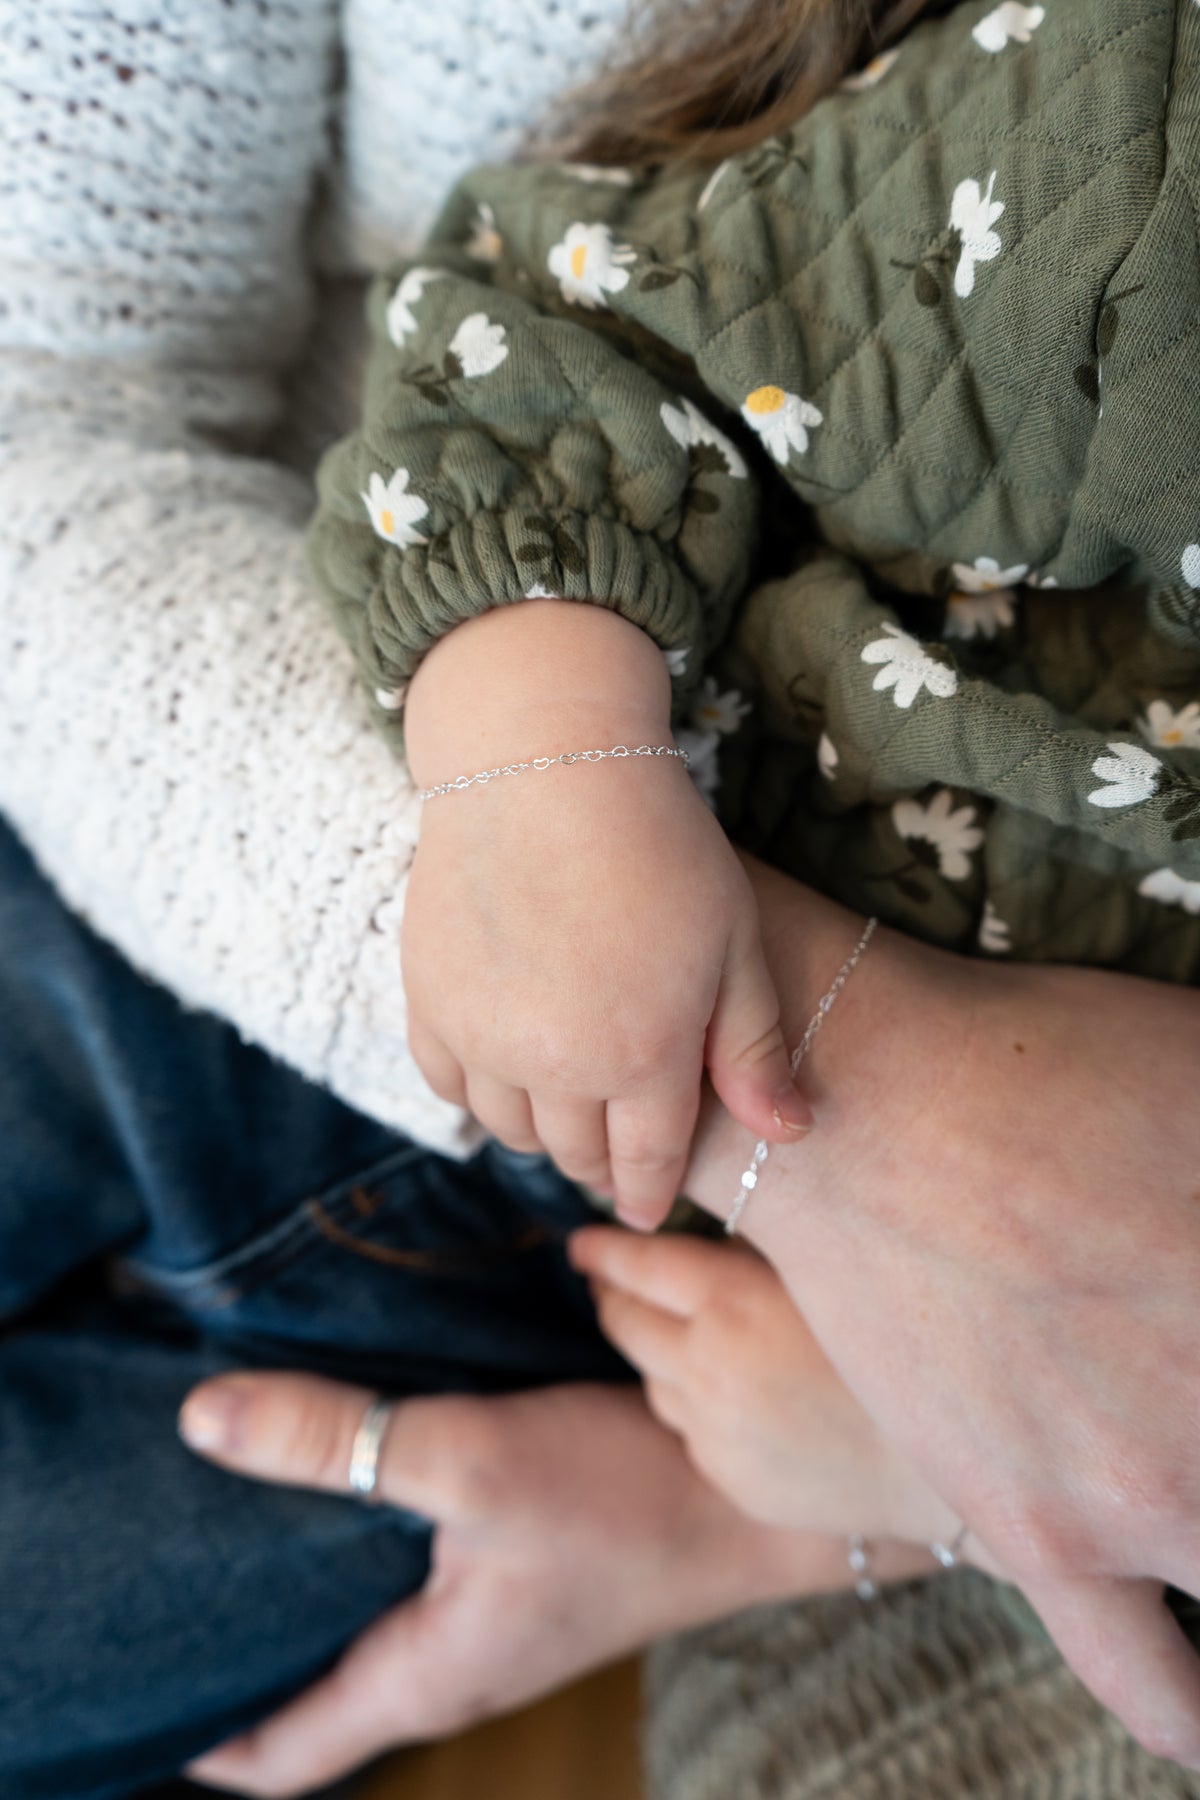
[(711, 79)]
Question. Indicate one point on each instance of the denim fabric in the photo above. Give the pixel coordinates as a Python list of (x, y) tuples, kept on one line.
[(173, 1202)]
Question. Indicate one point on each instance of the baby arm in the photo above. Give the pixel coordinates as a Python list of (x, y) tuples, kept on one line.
[(730, 1365), (580, 942)]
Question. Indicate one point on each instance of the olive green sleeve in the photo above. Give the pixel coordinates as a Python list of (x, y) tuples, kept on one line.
[(506, 453)]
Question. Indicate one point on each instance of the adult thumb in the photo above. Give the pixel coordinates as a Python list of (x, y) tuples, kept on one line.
[(745, 1053)]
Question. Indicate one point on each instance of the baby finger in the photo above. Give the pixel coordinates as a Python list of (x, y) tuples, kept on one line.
[(653, 1341), (440, 1067), (504, 1111), (574, 1135)]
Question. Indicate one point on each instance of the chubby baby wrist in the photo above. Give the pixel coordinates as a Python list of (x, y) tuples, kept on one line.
[(539, 678)]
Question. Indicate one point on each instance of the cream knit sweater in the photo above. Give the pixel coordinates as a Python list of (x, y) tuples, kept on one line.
[(182, 741)]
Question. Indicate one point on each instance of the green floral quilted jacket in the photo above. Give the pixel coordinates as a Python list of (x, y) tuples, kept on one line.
[(887, 431)]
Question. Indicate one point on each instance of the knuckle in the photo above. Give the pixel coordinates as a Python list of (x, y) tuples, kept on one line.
[(641, 1157), (768, 1044)]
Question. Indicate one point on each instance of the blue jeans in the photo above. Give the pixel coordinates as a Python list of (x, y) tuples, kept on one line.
[(173, 1203)]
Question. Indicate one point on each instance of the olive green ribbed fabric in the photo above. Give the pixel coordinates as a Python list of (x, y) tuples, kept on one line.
[(929, 1693), (868, 414)]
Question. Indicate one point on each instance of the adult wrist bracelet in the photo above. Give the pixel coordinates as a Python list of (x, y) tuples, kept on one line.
[(762, 1149)]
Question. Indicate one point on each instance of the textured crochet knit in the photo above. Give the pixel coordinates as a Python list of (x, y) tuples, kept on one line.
[(929, 1693), (181, 740)]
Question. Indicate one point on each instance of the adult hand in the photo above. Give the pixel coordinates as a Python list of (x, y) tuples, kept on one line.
[(994, 1231), (570, 1530)]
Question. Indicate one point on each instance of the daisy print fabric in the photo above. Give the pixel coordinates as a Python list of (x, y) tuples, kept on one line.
[(1010, 23), (393, 510), (691, 430), (1172, 730), (949, 831), (907, 669), (982, 602), (782, 420), (401, 321), (1130, 776), (589, 266), (973, 212)]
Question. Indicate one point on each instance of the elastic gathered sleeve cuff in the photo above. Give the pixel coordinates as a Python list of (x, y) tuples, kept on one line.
[(506, 454)]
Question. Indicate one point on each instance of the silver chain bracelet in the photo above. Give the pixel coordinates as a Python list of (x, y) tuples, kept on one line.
[(483, 776), (824, 1007)]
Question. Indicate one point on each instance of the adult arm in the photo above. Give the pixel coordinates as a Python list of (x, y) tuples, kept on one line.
[(994, 1232)]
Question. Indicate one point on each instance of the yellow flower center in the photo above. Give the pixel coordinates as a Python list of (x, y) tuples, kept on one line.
[(765, 400), (579, 261), (1174, 736), (387, 519)]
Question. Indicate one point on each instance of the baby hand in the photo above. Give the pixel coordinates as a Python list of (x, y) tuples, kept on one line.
[(730, 1365), (580, 942)]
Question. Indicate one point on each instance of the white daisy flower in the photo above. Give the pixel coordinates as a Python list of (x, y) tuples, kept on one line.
[(978, 615), (871, 74), (908, 668), (827, 756), (994, 934), (1171, 890), (588, 265), (594, 172), (400, 321), (1190, 560), (703, 748), (973, 214), (479, 345), (393, 510), (1172, 730), (718, 712), (781, 420), (1131, 772), (951, 830), (538, 592), (985, 576), (1008, 23), (1041, 581), (485, 243), (677, 661), (690, 426), (710, 186)]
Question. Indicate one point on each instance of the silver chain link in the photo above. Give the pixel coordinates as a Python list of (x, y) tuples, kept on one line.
[(483, 776), (824, 1007)]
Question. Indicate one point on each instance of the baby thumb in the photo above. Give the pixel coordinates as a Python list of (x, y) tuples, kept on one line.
[(745, 1053)]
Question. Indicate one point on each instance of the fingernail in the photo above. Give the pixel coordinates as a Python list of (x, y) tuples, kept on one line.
[(209, 1417), (792, 1111), (637, 1221)]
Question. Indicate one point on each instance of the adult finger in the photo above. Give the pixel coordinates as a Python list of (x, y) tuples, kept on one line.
[(649, 1139), (575, 1135), (747, 1059), (676, 1273), (655, 1342), (342, 1722), (299, 1430), (440, 1067), (503, 1110), (1125, 1646)]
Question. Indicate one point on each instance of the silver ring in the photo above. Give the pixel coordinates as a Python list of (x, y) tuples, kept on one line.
[(364, 1453)]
